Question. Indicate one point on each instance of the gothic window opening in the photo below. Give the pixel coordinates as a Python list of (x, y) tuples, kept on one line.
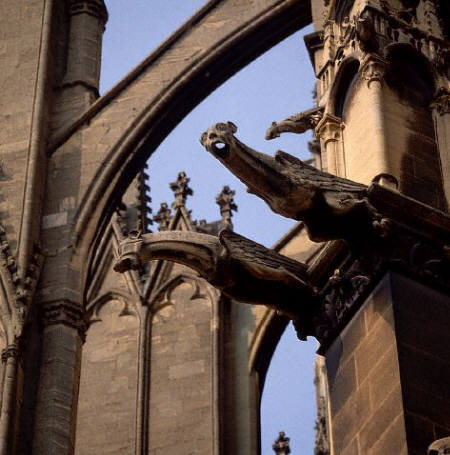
[(286, 403)]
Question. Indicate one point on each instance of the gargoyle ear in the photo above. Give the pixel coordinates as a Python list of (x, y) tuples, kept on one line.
[(233, 127), (203, 138)]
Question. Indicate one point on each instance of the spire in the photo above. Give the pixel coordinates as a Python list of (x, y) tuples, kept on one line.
[(225, 200), (281, 444), (163, 217), (181, 190)]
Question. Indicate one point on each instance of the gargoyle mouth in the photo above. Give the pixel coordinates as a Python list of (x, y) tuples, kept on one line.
[(220, 149)]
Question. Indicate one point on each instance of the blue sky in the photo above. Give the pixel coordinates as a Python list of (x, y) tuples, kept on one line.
[(276, 85)]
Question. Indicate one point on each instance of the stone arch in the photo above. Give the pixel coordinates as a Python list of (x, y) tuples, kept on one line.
[(346, 74), (265, 341), (93, 308), (126, 145)]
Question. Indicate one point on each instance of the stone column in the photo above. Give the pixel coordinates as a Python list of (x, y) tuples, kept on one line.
[(372, 70), (441, 117), (10, 357), (63, 334), (80, 85), (329, 131), (87, 24)]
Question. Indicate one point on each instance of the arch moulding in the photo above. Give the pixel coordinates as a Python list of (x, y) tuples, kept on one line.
[(118, 133)]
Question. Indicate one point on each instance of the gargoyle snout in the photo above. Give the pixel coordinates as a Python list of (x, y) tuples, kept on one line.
[(217, 139)]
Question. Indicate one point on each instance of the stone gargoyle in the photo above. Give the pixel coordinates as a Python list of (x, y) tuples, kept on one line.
[(331, 207), (297, 124), (243, 270)]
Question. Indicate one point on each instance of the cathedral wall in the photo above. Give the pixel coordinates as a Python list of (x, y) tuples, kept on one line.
[(183, 375), (388, 372), (388, 128), (364, 382), (106, 420), (19, 55), (421, 323), (413, 155)]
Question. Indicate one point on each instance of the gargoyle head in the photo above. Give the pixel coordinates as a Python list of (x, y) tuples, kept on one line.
[(218, 138)]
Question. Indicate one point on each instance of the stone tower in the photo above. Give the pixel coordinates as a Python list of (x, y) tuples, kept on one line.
[(157, 358)]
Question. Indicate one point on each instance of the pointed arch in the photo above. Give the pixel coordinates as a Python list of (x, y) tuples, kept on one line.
[(130, 127)]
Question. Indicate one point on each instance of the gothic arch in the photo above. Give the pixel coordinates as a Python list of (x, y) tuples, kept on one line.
[(344, 77), (126, 145), (93, 308), (265, 341)]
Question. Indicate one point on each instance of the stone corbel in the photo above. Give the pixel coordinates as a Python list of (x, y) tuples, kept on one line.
[(373, 69)]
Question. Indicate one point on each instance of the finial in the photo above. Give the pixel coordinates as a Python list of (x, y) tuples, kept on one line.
[(281, 444), (181, 190), (163, 217), (225, 200)]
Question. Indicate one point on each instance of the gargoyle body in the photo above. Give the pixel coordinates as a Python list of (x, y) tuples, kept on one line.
[(298, 123), (242, 269), (331, 207)]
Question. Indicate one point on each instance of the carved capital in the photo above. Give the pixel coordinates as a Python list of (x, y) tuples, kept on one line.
[(441, 102), (329, 129), (64, 312), (10, 351), (373, 69), (94, 8)]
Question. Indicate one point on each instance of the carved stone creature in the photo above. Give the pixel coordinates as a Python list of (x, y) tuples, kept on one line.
[(440, 447), (242, 269), (331, 207), (298, 123), (366, 34)]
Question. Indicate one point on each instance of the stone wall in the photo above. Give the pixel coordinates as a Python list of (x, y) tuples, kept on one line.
[(366, 409), (106, 417), (389, 372), (183, 377)]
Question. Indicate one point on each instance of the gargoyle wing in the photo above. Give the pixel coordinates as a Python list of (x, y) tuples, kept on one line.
[(307, 176), (262, 261)]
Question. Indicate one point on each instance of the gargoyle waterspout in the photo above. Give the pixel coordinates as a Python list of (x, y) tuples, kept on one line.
[(242, 269), (331, 207)]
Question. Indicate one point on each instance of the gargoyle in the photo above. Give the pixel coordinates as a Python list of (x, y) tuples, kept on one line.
[(298, 123), (366, 34), (242, 269), (331, 207)]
